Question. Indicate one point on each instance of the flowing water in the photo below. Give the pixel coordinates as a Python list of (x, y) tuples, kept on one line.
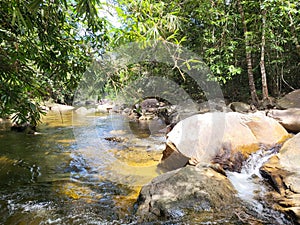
[(250, 186), (77, 169), (88, 169), (247, 182)]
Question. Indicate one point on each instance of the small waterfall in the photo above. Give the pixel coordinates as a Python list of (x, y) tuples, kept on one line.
[(249, 183)]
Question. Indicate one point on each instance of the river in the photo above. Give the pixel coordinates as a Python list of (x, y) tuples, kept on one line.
[(78, 169), (89, 169)]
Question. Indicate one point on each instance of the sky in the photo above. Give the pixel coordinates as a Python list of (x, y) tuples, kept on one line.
[(108, 11)]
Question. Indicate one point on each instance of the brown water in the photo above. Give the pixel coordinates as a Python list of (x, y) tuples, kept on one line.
[(69, 173)]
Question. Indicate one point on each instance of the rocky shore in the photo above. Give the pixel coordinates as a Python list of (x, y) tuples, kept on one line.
[(201, 147), (204, 141)]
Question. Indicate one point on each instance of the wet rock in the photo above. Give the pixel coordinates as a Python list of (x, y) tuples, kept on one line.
[(148, 109), (187, 190), (148, 116), (289, 118), (133, 116), (239, 107), (283, 173), (198, 195), (225, 138), (291, 100)]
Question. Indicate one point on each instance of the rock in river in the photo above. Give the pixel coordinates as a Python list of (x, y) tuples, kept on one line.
[(224, 138), (197, 195), (283, 172), (177, 193), (291, 100), (289, 118)]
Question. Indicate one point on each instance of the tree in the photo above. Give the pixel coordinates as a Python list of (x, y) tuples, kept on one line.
[(263, 34), (47, 45), (262, 57), (248, 55), (45, 48)]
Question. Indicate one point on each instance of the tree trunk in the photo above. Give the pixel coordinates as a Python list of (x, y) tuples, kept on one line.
[(248, 56), (262, 58)]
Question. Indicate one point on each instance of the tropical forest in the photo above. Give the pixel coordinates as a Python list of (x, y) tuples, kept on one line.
[(149, 112)]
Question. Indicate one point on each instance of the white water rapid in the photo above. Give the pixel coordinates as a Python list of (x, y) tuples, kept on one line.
[(247, 182), (249, 185)]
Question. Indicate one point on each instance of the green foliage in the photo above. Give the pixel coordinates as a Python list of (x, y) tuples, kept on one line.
[(45, 48), (214, 30)]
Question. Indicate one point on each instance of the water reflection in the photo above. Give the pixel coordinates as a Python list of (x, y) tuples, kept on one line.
[(70, 174)]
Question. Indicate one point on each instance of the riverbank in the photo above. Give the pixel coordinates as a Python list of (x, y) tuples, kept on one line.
[(131, 160)]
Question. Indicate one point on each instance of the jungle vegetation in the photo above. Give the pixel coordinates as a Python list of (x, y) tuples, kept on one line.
[(251, 47)]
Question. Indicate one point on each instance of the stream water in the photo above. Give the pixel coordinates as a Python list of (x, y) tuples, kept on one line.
[(77, 169), (88, 169), (251, 188)]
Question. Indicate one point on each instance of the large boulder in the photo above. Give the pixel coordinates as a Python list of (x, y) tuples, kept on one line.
[(291, 100), (179, 193), (225, 138), (198, 195), (283, 172), (289, 118)]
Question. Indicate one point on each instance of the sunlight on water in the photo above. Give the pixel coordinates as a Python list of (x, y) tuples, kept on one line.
[(90, 169), (70, 174)]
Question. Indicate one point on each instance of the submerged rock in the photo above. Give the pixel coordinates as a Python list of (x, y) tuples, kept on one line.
[(289, 118), (283, 172), (224, 138)]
